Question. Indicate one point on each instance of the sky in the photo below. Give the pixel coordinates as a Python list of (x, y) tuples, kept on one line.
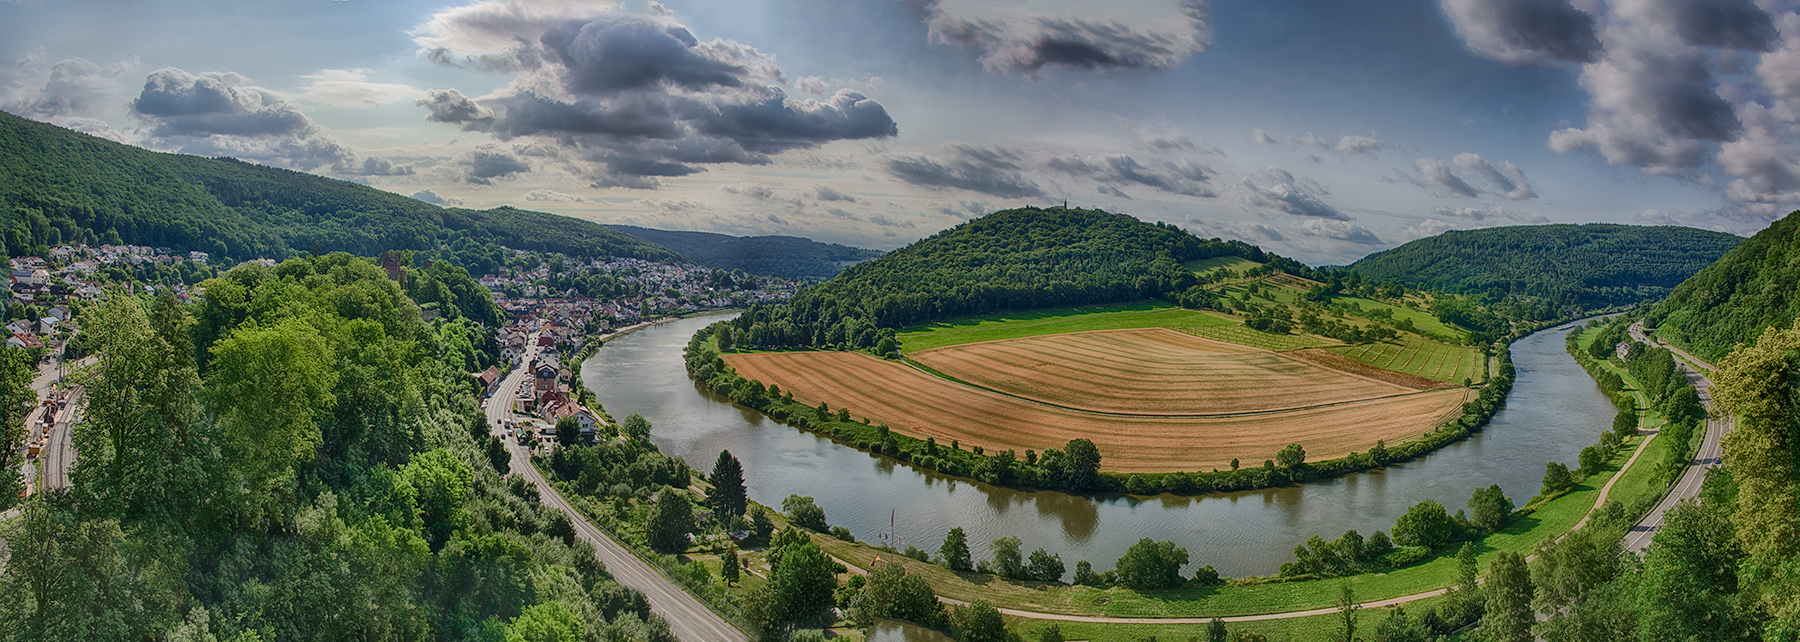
[(1323, 130)]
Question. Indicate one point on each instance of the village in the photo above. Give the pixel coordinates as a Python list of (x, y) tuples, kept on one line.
[(548, 331)]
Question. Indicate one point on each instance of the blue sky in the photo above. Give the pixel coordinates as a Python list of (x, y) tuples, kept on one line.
[(1322, 130)]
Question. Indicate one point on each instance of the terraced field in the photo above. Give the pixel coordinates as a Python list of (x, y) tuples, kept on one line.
[(921, 405), (1152, 371), (1420, 356)]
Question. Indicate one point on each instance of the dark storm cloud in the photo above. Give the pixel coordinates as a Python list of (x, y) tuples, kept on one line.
[(989, 170), (1527, 31), (637, 96), (1028, 44)]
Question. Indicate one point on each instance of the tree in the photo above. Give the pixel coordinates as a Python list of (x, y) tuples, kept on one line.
[(724, 337), (16, 397), (671, 520), (1008, 562), (727, 495), (497, 455), (265, 385), (1291, 456), (1085, 575), (955, 551), (1557, 478), (760, 524), (1489, 508), (1216, 631), (1424, 524), (1593, 458), (1508, 616), (1151, 565), (729, 565), (1379, 454), (1081, 464), (1044, 566), (568, 433), (545, 622), (804, 513), (1052, 633), (1347, 609), (636, 427), (892, 593), (801, 581), (886, 347), (981, 622)]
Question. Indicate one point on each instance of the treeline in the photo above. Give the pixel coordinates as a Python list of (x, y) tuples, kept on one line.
[(59, 186), (787, 257), (1076, 467), (1735, 299), (1663, 382), (1020, 259), (1550, 271), (296, 457)]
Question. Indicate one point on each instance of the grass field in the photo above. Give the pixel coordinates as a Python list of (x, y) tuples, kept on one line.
[(921, 405), (1423, 321), (1221, 262), (1150, 371), (1238, 333), (1416, 355), (1155, 314)]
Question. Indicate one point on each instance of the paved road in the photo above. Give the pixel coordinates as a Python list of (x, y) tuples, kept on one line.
[(1709, 454), (689, 618)]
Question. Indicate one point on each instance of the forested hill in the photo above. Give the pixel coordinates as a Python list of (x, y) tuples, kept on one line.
[(1731, 301), (59, 186), (1020, 259), (787, 257), (1554, 268)]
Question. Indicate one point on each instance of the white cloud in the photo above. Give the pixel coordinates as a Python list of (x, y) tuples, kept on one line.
[(352, 88)]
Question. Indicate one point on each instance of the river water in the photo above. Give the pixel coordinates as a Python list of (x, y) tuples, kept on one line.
[(1554, 411)]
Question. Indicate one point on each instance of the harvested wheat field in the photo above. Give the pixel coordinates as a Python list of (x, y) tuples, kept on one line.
[(1157, 371), (920, 405)]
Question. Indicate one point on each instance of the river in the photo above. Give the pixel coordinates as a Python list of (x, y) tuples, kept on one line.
[(1554, 411)]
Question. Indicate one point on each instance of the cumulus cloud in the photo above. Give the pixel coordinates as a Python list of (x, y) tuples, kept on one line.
[(63, 94), (638, 97), (1278, 189), (992, 170), (1348, 143), (1527, 31), (220, 114), (1435, 176), (491, 162), (1506, 179), (1701, 90), (1184, 178), (1018, 41), (372, 166), (1488, 214), (1338, 231), (433, 198)]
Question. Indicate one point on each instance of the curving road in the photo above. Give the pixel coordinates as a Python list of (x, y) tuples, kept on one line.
[(689, 618), (1708, 456)]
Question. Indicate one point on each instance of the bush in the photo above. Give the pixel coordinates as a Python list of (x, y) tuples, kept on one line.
[(804, 513), (842, 533)]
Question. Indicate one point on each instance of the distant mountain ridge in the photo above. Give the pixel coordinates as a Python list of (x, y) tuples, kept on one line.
[(60, 186), (1545, 271), (788, 257), (1732, 301)]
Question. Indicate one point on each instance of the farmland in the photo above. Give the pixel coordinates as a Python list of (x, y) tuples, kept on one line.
[(1416, 355), (1030, 324), (1150, 372), (920, 405)]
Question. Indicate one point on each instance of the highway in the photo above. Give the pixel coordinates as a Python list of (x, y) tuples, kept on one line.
[(1708, 456), (689, 618)]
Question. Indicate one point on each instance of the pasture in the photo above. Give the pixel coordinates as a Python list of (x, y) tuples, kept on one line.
[(1152, 371), (921, 405)]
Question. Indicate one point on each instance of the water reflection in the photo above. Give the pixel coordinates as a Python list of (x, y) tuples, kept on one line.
[(891, 631), (1555, 410)]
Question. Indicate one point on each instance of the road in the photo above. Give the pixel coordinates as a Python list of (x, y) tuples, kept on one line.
[(689, 618), (1707, 457)]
